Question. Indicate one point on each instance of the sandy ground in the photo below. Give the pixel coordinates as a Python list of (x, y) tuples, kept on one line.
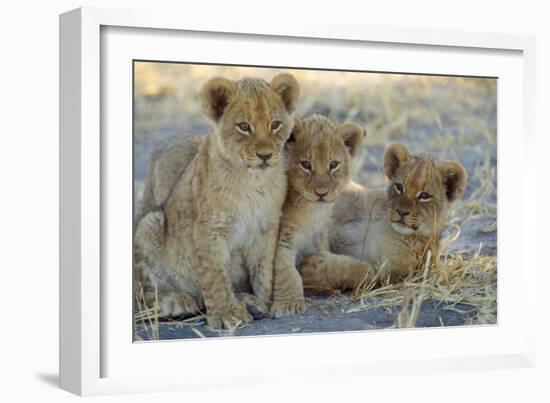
[(446, 117)]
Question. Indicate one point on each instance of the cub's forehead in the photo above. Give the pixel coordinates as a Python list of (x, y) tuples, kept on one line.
[(322, 146), (252, 85), (421, 173), (319, 125), (320, 140), (254, 105), (257, 92)]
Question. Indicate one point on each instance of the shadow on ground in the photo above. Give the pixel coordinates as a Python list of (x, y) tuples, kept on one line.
[(49, 379)]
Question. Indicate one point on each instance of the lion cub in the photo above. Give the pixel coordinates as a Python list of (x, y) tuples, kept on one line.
[(320, 155), (208, 227), (390, 229)]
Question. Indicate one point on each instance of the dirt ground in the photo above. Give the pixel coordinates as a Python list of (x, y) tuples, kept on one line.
[(325, 314), (449, 117)]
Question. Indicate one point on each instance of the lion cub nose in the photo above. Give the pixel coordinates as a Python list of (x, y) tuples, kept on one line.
[(321, 193), (403, 213), (264, 157)]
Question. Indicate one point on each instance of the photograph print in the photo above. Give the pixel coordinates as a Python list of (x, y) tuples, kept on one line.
[(278, 201)]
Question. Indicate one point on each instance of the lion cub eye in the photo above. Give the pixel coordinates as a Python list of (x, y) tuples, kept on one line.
[(275, 125), (333, 165), (243, 127), (424, 197), (306, 165), (399, 188)]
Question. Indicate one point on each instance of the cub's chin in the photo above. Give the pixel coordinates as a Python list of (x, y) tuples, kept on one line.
[(260, 168), (321, 202), (402, 228), (422, 230), (325, 201)]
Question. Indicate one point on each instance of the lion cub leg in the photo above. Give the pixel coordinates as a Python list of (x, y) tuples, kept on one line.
[(254, 305), (151, 286), (223, 309), (148, 241), (326, 271), (288, 292), (259, 261)]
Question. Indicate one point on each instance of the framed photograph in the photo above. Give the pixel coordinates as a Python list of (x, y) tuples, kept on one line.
[(237, 199)]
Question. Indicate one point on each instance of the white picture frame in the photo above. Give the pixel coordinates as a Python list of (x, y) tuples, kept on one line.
[(88, 336)]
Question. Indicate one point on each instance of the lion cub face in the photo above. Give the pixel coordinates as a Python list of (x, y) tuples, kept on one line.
[(420, 190), (253, 118), (320, 157)]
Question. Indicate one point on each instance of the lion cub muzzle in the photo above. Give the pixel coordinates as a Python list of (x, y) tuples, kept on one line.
[(404, 213), (263, 155), (321, 188)]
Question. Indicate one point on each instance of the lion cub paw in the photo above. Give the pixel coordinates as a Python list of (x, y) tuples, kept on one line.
[(288, 307), (229, 318), (179, 304), (256, 307)]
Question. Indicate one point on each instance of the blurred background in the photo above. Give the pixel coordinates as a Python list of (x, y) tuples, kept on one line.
[(448, 117)]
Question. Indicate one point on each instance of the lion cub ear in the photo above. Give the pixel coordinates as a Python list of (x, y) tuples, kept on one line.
[(395, 155), (353, 136), (288, 88), (455, 179), (215, 95), (297, 131)]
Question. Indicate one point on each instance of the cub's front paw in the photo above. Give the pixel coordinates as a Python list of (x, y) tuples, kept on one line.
[(175, 305), (256, 307), (229, 318), (287, 307)]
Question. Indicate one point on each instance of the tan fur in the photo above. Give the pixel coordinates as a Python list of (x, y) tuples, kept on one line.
[(207, 230), (366, 224), (309, 202), (168, 162)]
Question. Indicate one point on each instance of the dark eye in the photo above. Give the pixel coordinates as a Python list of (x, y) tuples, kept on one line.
[(424, 196), (275, 125), (399, 188), (306, 165), (244, 127), (333, 165)]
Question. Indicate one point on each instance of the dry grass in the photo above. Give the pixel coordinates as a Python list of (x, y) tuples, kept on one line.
[(148, 318), (455, 280), (482, 201)]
